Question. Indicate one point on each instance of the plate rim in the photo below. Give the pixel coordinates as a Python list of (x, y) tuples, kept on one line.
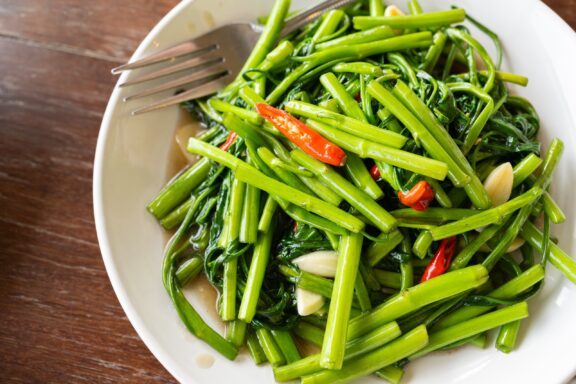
[(97, 203)]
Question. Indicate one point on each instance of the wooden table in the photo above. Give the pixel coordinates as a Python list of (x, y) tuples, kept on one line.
[(59, 318)]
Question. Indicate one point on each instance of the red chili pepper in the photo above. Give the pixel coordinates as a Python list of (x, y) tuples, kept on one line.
[(375, 172), (419, 197), (295, 227), (303, 136), (229, 141), (441, 260)]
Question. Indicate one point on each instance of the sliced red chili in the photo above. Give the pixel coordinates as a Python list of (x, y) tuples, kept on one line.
[(418, 197), (441, 260), (229, 141), (375, 172), (303, 136)]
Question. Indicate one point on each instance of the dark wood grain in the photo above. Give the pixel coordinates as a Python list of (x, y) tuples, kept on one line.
[(106, 29), (59, 319)]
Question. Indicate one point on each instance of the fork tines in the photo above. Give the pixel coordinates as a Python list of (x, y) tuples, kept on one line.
[(201, 58)]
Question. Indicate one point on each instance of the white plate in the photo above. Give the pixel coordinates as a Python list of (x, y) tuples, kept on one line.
[(130, 168)]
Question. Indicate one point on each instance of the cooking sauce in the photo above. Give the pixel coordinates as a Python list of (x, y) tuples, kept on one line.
[(205, 361), (178, 157), (306, 348), (200, 291)]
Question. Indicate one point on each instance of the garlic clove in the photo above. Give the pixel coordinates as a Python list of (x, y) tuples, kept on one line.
[(308, 302), (498, 184), (393, 10), (321, 263), (516, 244)]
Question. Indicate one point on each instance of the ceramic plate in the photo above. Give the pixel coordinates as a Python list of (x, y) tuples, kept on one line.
[(131, 166)]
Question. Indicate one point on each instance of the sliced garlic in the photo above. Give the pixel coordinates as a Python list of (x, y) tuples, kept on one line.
[(308, 302), (322, 263), (516, 244), (393, 10), (498, 184)]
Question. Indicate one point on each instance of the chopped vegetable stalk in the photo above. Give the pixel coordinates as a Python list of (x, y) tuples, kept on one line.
[(474, 326), (255, 277), (333, 347), (414, 298), (252, 176), (390, 353), (425, 20), (356, 347)]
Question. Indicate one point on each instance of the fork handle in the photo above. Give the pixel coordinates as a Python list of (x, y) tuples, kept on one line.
[(312, 14)]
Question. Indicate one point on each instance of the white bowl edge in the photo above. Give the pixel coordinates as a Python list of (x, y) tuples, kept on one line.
[(109, 263)]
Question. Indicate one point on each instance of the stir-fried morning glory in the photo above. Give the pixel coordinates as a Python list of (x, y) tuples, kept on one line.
[(369, 185)]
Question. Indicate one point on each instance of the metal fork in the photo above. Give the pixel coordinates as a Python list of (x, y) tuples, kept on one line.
[(215, 59)]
